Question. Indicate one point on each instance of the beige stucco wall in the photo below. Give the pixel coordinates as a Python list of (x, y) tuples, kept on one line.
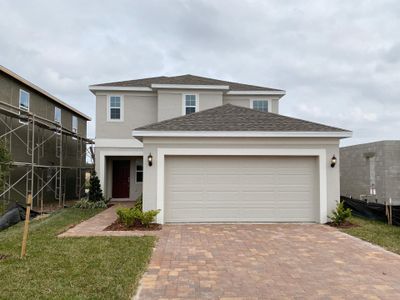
[(142, 108), (151, 145), (245, 101), (170, 103), (139, 109)]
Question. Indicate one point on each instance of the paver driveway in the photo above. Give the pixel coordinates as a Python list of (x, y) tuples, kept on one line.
[(268, 261)]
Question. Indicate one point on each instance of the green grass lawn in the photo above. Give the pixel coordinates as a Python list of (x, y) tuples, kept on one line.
[(70, 268), (376, 232)]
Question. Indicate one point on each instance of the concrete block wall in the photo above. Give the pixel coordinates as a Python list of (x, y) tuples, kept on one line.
[(355, 170)]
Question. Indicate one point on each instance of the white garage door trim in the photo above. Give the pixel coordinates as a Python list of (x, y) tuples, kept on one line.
[(320, 153)]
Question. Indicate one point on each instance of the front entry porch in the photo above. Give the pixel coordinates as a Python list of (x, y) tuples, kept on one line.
[(123, 177)]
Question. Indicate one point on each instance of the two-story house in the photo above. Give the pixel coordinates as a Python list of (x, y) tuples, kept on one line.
[(47, 140), (208, 150)]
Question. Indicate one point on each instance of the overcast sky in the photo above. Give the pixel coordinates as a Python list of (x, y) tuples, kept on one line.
[(339, 61)]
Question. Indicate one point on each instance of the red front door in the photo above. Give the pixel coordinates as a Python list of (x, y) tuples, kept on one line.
[(121, 173)]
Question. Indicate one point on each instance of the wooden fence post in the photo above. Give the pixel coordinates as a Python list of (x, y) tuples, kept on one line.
[(26, 227)]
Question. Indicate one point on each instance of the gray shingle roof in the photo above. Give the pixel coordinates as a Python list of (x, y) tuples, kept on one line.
[(187, 79), (230, 117)]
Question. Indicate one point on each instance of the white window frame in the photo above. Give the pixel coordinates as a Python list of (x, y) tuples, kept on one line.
[(74, 128), (261, 99), (22, 107), (29, 100), (121, 117), (136, 171), (184, 102), (55, 115)]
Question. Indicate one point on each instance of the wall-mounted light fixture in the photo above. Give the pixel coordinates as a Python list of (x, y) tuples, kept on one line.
[(150, 160), (333, 161)]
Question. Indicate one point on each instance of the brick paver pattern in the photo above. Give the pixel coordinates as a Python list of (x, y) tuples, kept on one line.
[(95, 226), (267, 261)]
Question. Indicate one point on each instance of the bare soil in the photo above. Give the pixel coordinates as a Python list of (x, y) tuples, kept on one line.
[(3, 256), (118, 226), (346, 224)]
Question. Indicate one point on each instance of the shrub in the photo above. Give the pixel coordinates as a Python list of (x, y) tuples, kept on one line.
[(148, 217), (95, 192), (128, 216), (139, 203), (86, 204), (132, 216), (340, 214)]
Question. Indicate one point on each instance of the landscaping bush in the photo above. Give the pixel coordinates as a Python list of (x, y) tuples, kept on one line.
[(139, 203), (128, 216), (86, 204), (148, 217), (340, 214), (132, 216)]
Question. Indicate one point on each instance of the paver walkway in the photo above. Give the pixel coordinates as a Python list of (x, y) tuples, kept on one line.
[(95, 225), (268, 261)]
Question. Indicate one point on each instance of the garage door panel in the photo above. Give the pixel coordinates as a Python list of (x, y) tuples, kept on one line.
[(294, 179), (231, 179), (257, 179), (257, 196), (185, 179), (244, 189)]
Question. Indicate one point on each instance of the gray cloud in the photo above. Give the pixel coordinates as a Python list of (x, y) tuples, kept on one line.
[(337, 60)]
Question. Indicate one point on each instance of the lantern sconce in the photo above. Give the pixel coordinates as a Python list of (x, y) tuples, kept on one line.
[(150, 160), (333, 161)]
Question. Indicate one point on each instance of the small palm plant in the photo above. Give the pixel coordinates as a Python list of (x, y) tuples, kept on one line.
[(340, 214)]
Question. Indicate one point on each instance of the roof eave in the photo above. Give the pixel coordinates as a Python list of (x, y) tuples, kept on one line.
[(190, 86), (290, 134), (258, 92), (43, 92), (95, 88)]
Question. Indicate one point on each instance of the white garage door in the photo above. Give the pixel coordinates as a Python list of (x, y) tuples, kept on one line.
[(240, 189)]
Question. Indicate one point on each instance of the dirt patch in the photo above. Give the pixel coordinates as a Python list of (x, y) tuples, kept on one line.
[(118, 226), (3, 256), (344, 225)]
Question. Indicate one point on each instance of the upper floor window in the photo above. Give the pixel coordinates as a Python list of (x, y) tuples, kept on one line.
[(115, 108), (191, 104), (260, 105), (57, 115), (24, 100), (74, 124)]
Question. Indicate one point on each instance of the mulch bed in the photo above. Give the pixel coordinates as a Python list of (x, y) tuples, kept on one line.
[(118, 226), (346, 224)]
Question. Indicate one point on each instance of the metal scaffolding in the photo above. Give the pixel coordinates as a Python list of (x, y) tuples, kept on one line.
[(34, 132)]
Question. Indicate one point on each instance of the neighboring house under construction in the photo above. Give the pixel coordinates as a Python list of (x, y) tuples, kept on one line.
[(47, 140)]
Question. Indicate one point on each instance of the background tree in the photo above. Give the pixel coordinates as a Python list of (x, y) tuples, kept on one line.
[(95, 192), (5, 164)]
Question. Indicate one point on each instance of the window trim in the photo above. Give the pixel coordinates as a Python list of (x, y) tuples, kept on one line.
[(72, 124), (55, 114), (121, 117), (29, 100), (269, 101), (136, 171), (184, 102)]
